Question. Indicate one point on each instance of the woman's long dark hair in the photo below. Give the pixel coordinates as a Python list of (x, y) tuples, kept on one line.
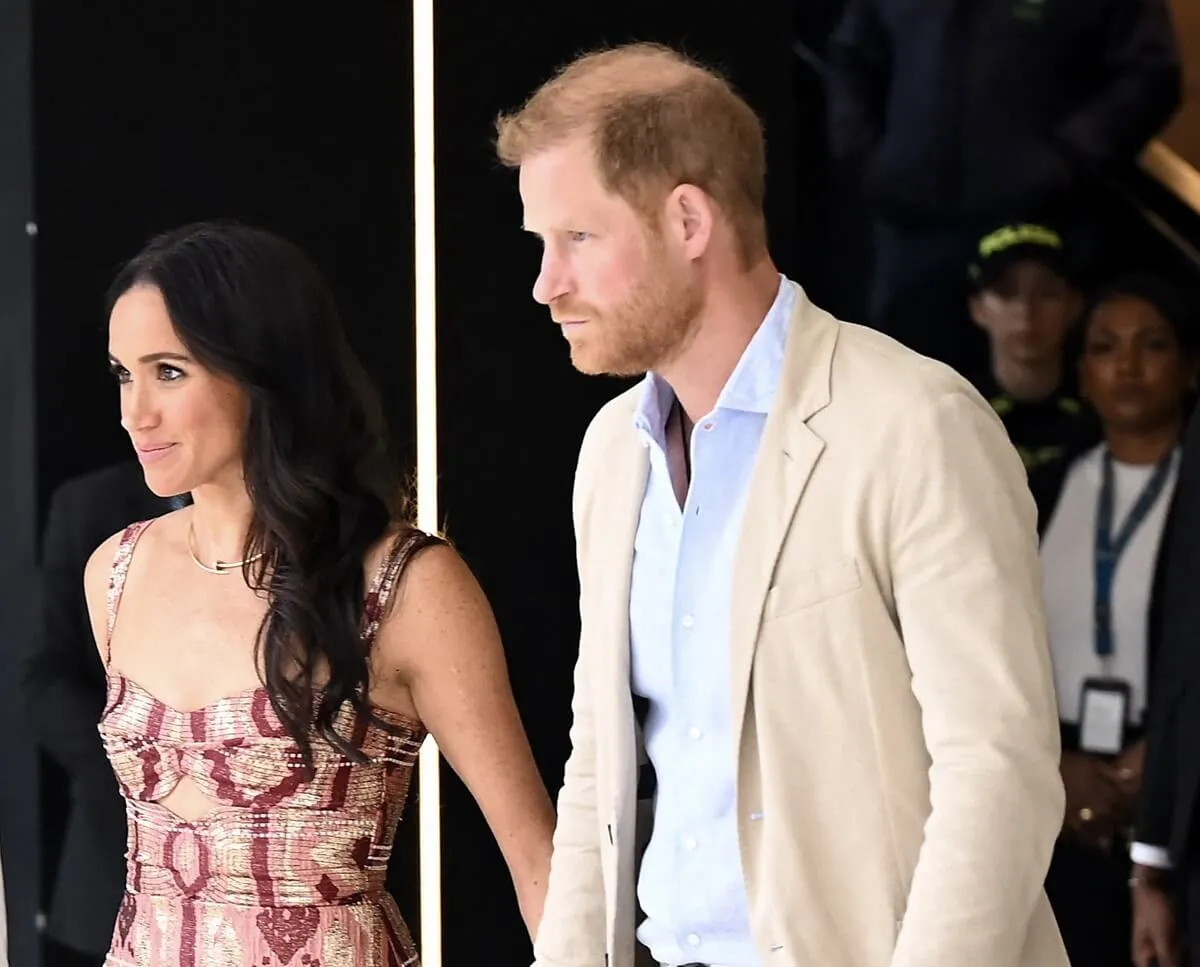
[(251, 306)]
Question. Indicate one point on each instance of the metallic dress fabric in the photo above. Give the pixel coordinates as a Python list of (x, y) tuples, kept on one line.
[(286, 869)]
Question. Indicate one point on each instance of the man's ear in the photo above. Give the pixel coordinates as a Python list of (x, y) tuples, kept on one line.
[(690, 217), (975, 307)]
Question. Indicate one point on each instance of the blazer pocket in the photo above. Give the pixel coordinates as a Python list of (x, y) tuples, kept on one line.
[(811, 587)]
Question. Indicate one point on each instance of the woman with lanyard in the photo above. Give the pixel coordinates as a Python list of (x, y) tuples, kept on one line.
[(1103, 519)]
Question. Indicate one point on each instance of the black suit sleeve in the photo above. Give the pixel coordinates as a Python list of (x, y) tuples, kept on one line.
[(1142, 86), (859, 71), (64, 676), (1176, 621)]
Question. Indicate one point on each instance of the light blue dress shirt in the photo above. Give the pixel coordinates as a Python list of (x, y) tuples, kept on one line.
[(691, 885)]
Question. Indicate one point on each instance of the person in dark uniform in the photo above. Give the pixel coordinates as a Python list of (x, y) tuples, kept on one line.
[(952, 116), (1026, 296), (65, 685)]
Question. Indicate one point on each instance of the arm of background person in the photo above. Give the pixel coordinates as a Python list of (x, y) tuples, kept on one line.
[(1175, 653), (1141, 88), (63, 675), (859, 64)]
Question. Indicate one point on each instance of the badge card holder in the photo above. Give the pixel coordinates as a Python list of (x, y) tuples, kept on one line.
[(1103, 712), (1104, 704)]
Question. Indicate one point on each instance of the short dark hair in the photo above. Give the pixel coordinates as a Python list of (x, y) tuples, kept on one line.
[(1156, 290)]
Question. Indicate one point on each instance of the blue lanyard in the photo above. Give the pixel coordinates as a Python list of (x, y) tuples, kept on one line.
[(1108, 550)]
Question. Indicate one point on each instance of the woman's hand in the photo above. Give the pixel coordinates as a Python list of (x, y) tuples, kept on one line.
[(1126, 775), (1093, 799)]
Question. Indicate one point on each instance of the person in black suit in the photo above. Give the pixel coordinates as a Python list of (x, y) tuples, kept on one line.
[(1166, 871), (65, 684)]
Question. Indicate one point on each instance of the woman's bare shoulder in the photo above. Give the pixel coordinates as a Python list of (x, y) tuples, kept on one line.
[(103, 559), (101, 562), (427, 573), (402, 545)]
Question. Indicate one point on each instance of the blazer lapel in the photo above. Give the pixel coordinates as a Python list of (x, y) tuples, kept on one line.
[(787, 454), (617, 510)]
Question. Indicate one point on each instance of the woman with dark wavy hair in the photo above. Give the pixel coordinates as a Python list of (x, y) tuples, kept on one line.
[(277, 652)]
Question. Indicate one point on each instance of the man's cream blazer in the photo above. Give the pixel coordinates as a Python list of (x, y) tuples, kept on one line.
[(896, 735)]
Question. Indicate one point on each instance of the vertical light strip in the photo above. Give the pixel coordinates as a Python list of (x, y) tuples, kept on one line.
[(430, 797)]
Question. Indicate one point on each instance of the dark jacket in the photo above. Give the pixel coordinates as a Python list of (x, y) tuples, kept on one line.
[(968, 109), (65, 684), (1054, 430), (1171, 775)]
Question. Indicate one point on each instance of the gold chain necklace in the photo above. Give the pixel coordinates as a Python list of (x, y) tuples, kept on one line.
[(218, 567)]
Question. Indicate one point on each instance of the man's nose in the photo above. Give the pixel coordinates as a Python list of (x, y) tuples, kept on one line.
[(551, 282)]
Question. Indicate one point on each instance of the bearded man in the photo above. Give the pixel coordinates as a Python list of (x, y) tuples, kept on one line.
[(810, 591)]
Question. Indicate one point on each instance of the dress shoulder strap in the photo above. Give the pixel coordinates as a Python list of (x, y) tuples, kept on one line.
[(116, 579), (379, 595)]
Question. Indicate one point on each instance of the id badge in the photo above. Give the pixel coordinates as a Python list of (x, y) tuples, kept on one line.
[(1103, 710)]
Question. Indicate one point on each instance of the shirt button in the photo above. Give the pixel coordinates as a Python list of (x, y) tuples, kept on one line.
[(689, 843), (694, 732), (693, 939), (709, 425), (688, 621)]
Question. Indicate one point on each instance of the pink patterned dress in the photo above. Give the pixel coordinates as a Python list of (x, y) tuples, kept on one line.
[(282, 871)]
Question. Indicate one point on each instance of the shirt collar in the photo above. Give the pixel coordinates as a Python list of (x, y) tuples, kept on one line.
[(752, 385)]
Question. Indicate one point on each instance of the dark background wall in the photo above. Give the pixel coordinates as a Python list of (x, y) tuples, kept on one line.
[(160, 114), (18, 583), (1183, 136), (148, 116), (151, 115)]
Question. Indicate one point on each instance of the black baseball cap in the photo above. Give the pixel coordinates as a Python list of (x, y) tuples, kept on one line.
[(1018, 242)]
